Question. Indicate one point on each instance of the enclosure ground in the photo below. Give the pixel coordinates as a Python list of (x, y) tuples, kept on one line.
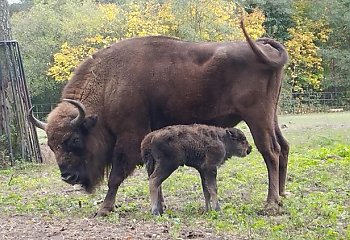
[(36, 204), (47, 227)]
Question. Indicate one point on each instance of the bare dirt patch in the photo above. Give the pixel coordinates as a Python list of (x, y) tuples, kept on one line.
[(46, 227)]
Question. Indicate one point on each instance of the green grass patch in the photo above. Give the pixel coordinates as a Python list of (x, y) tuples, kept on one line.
[(318, 180)]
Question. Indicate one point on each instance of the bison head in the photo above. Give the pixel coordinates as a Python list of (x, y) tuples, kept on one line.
[(237, 143), (79, 152)]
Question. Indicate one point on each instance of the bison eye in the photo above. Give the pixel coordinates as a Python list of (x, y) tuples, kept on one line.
[(74, 144)]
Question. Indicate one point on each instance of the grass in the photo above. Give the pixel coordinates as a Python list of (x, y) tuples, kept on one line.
[(318, 179)]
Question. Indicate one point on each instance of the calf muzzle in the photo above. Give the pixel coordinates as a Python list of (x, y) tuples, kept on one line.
[(249, 150)]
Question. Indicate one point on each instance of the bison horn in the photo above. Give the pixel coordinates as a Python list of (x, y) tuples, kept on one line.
[(81, 116), (36, 121)]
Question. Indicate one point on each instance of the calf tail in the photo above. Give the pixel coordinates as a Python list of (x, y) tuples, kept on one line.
[(146, 154), (273, 62)]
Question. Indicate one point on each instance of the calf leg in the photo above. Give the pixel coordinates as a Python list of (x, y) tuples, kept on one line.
[(210, 177), (283, 159), (205, 191), (160, 197), (155, 180)]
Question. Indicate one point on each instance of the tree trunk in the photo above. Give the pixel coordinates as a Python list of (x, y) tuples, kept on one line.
[(4, 21), (4, 77), (4, 35)]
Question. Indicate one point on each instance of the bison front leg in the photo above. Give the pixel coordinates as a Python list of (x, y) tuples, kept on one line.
[(117, 176), (123, 164)]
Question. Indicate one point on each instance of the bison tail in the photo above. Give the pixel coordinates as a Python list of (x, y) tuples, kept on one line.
[(273, 62), (146, 154)]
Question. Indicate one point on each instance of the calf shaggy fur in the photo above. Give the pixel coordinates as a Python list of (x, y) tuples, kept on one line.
[(200, 146)]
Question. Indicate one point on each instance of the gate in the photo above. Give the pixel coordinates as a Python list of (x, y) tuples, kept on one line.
[(18, 137)]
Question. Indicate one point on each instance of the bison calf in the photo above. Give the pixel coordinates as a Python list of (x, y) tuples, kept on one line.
[(200, 146)]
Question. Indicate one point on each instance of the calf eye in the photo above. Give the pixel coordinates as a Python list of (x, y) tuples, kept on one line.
[(242, 138)]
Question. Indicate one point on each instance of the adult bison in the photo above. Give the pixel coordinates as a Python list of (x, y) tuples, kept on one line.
[(135, 86)]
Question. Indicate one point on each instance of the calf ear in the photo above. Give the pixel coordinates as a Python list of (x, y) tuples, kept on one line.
[(90, 122), (231, 134)]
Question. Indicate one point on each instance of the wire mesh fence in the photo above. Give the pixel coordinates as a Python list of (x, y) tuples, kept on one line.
[(295, 103), (310, 102)]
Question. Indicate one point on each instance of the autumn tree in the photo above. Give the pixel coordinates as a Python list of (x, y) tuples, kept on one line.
[(305, 67), (203, 20)]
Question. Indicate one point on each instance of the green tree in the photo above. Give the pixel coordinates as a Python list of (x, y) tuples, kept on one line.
[(336, 52), (21, 6), (44, 28), (278, 16)]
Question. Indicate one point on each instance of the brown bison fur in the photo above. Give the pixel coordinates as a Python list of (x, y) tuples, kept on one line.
[(135, 86), (200, 146)]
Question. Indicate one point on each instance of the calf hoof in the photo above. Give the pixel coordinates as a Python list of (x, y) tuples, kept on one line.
[(217, 208), (157, 211)]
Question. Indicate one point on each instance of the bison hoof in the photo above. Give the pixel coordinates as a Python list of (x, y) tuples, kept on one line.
[(103, 212), (285, 194), (271, 209)]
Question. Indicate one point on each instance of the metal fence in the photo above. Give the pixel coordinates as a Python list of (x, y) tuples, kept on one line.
[(296, 103), (18, 138)]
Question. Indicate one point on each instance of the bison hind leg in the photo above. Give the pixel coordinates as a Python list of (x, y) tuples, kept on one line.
[(283, 160)]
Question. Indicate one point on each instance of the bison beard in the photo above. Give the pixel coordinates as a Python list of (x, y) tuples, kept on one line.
[(138, 85)]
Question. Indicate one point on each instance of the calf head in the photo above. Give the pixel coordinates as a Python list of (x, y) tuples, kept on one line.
[(69, 137), (236, 143)]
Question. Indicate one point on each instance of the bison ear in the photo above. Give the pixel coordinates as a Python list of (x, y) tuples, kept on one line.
[(90, 122)]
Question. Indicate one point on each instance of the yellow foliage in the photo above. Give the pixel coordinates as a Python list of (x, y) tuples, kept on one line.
[(150, 18), (209, 16), (305, 66), (218, 20), (254, 23), (211, 20), (110, 11), (69, 57), (66, 60)]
